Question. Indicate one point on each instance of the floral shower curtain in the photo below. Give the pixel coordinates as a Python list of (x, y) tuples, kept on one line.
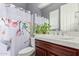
[(14, 29)]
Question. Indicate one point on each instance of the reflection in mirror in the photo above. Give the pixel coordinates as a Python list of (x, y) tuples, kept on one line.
[(66, 18), (54, 20), (69, 17), (41, 25)]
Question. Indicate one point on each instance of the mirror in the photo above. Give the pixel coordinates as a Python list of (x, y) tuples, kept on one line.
[(65, 18)]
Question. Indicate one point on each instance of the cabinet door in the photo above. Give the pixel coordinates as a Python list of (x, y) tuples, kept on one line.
[(40, 52)]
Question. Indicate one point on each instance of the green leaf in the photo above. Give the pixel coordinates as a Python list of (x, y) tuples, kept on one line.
[(42, 28)]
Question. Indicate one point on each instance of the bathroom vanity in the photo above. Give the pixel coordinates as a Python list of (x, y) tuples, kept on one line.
[(47, 45)]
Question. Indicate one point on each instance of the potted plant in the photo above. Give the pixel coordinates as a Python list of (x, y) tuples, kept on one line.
[(43, 29)]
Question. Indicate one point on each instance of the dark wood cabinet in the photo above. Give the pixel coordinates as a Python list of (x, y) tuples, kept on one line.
[(44, 48), (40, 52), (50, 54)]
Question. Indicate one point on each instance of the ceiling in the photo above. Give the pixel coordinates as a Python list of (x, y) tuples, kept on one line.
[(39, 5), (42, 5)]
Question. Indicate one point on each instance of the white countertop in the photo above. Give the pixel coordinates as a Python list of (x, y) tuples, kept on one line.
[(69, 41)]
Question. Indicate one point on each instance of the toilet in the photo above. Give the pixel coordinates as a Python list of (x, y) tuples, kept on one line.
[(28, 51)]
